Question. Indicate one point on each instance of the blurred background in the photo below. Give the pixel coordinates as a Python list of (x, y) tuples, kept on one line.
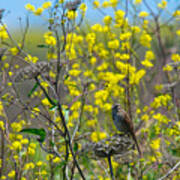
[(16, 10)]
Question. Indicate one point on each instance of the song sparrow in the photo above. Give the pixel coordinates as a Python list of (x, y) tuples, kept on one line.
[(123, 123)]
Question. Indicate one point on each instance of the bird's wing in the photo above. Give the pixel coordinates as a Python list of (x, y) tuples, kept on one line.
[(128, 121)]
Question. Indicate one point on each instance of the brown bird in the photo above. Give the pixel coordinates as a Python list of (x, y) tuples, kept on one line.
[(123, 123)]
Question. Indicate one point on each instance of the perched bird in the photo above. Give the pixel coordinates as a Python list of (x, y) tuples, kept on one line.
[(123, 123)]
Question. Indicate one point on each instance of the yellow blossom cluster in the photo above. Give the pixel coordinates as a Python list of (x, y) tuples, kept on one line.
[(3, 33), (163, 4), (39, 10), (31, 59), (100, 67), (147, 61), (96, 136), (71, 15), (160, 101), (49, 38), (145, 39)]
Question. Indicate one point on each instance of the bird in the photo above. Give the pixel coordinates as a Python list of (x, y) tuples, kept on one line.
[(124, 123)]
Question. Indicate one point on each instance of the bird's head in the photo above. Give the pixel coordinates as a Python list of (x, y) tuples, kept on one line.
[(116, 107)]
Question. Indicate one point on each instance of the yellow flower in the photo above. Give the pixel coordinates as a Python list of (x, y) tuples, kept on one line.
[(46, 102), (96, 136), (135, 29), (83, 7), (176, 13), (30, 7), (38, 11), (49, 38), (74, 72), (107, 20), (2, 125), (11, 174), (119, 14), (16, 145), (36, 110), (56, 160), (125, 36), (6, 65), (43, 172), (14, 51), (3, 177), (103, 66), (149, 55), (145, 39), (96, 4), (93, 60), (39, 163), (107, 106), (30, 151), (167, 68), (178, 32), (102, 135), (138, 111), (3, 33), (113, 3), (175, 57), (61, 1), (71, 14), (155, 144), (97, 28), (114, 44), (136, 77), (90, 38), (158, 87), (147, 63), (24, 141), (143, 14), (92, 123), (29, 166), (145, 117), (137, 1), (31, 59), (105, 4), (46, 5), (16, 126), (163, 4)]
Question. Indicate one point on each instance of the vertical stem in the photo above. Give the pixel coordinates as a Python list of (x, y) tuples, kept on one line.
[(66, 159), (110, 167), (50, 161), (2, 153), (69, 141)]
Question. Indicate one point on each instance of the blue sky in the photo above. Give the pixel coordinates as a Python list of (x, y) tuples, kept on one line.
[(15, 9)]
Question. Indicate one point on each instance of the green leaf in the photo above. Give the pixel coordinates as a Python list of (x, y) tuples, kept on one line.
[(54, 107), (39, 132), (75, 147), (33, 89), (59, 166), (66, 114), (52, 144), (42, 46), (160, 165), (152, 132)]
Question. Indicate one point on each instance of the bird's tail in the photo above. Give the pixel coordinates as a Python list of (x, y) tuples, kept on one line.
[(137, 145)]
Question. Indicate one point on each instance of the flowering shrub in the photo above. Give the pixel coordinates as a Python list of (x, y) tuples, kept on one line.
[(128, 58)]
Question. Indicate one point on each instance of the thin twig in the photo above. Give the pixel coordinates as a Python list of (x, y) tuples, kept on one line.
[(111, 168), (170, 171)]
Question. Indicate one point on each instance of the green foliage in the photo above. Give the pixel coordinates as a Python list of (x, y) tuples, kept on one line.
[(39, 132)]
